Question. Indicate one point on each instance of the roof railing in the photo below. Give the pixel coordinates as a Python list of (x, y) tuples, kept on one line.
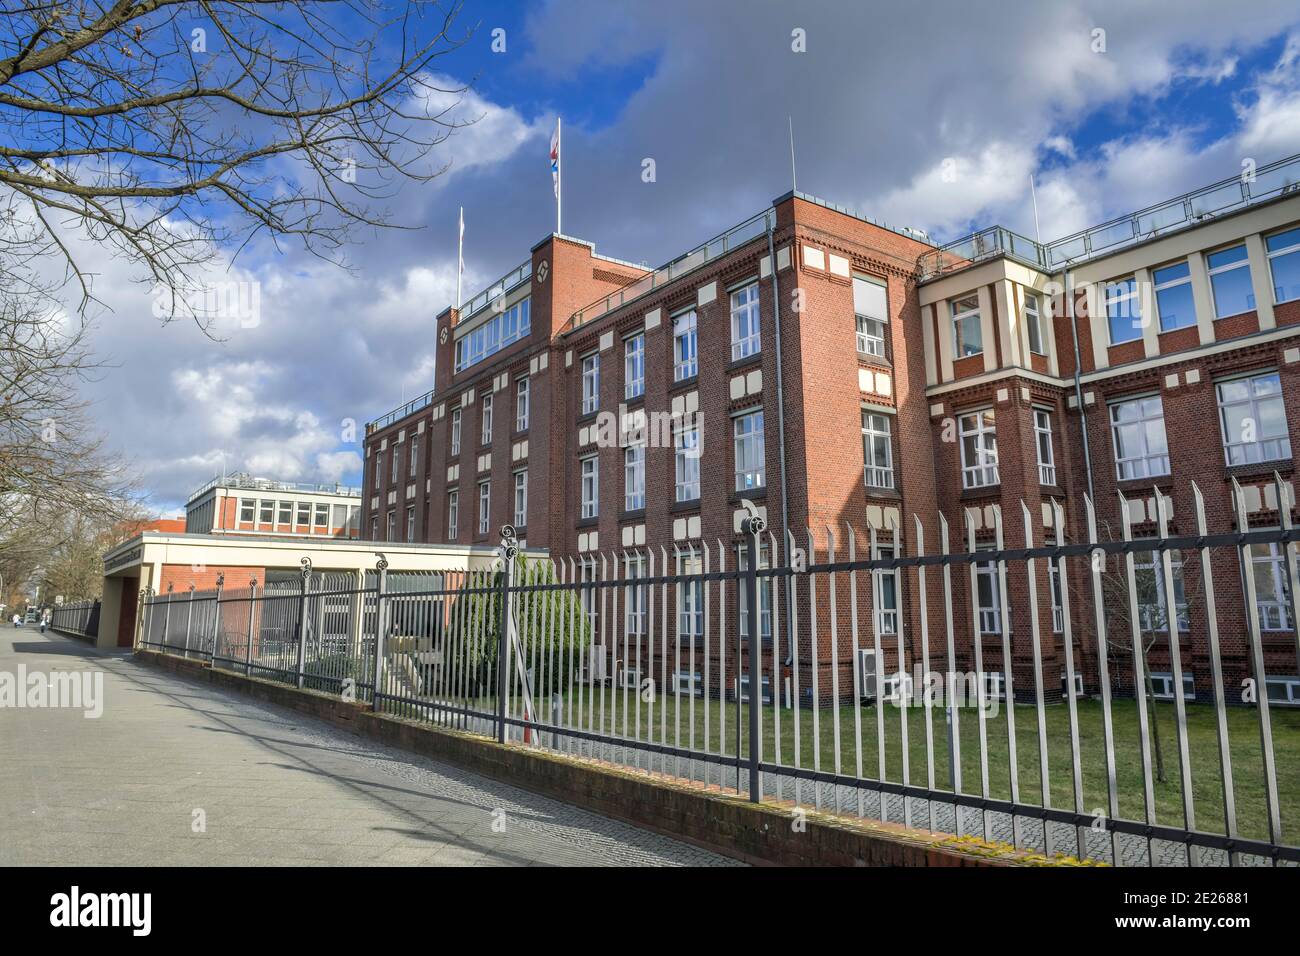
[(1276, 179), (242, 480)]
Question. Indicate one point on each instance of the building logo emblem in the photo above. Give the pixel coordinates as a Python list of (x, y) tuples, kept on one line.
[(543, 270), (442, 337)]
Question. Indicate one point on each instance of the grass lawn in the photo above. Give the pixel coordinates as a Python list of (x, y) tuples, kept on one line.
[(1203, 748)]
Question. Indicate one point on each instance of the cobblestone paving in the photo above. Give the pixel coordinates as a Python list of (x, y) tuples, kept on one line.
[(272, 787)]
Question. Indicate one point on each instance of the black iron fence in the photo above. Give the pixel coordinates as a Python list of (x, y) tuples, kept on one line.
[(76, 617), (1034, 695)]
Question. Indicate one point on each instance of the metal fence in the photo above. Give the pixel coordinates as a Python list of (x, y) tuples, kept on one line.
[(76, 617), (893, 686)]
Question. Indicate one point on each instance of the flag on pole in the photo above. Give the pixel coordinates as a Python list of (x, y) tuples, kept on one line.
[(460, 255), (555, 159)]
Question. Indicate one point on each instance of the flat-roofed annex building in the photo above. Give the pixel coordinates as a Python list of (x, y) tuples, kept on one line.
[(242, 504)]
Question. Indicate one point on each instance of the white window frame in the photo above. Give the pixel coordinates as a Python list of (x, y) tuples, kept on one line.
[(686, 461), (873, 439), (983, 471), (764, 593), (484, 506), (280, 517), (745, 334), (265, 512), (413, 459), (1114, 296), (634, 366), (1243, 263), (394, 464), (248, 506), (322, 517), (963, 312), (455, 431), (635, 596), (1272, 448), (686, 346), (1148, 464), (885, 618), (1274, 612), (634, 477), (302, 517), (485, 421), (1043, 445), (492, 336), (410, 523), (990, 616), (870, 330), (1290, 696), (750, 449), (1291, 250), (1162, 683), (1054, 590), (690, 598), (1172, 284), (590, 383), (589, 487), (1150, 616), (453, 513), (522, 397), (521, 498), (1033, 318), (392, 526)]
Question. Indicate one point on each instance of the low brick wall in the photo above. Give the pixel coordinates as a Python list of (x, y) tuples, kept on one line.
[(767, 834)]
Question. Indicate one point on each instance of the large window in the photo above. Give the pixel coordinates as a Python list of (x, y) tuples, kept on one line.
[(634, 596), (285, 515), (979, 449), (304, 515), (1174, 300), (877, 450), (521, 405), (322, 517), (453, 513), (414, 458), (744, 322), (1253, 418), (634, 366), (747, 431), (521, 498), (392, 526), (686, 455), (1230, 281), (884, 594), (493, 335), (871, 312), (590, 487), (690, 598), (266, 512), (1149, 579), (247, 510), (1137, 427), (1122, 315), (590, 383), (1284, 264), (685, 354), (455, 431), (988, 596), (397, 454), (967, 335), (1034, 324), (765, 584), (1058, 607), (484, 506), (1271, 592), (485, 420), (410, 523), (634, 478), (1043, 442)]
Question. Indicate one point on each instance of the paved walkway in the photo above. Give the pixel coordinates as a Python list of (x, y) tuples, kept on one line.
[(180, 773)]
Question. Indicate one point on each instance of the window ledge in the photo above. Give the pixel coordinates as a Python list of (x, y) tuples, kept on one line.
[(750, 494), (678, 507), (983, 491), (875, 361), (1262, 469), (634, 515), (683, 384), (755, 360), (587, 522)]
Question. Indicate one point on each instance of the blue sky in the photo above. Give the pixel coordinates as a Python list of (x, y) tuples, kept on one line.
[(884, 98)]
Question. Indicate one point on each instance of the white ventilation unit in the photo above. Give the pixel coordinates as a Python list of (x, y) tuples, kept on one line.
[(867, 673), (630, 677)]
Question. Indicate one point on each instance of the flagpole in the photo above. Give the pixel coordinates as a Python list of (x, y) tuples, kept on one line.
[(460, 254), (559, 173)]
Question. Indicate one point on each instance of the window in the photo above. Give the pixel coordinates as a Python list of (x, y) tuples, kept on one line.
[(1034, 324), (484, 505), (686, 455), (266, 512), (634, 366), (1058, 608), (634, 478), (1174, 299), (374, 528), (455, 431), (877, 451), (414, 458), (247, 510), (1149, 579), (744, 322), (1283, 250), (521, 405), (871, 312), (486, 421), (590, 487), (379, 470), (988, 596), (521, 498), (1253, 418), (323, 516), (304, 515), (493, 335), (392, 526), (588, 597), (1043, 440), (884, 595), (690, 598), (764, 592), (397, 453), (979, 449), (750, 457), (453, 513), (685, 358), (590, 383), (410, 524), (1283, 690), (1162, 683), (1137, 427), (285, 513), (1230, 281), (635, 597), (1122, 311), (967, 335), (1272, 597)]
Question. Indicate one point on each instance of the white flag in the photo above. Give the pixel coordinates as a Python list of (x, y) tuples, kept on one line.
[(555, 159)]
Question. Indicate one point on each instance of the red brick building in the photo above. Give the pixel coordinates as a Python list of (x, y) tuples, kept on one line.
[(838, 376)]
